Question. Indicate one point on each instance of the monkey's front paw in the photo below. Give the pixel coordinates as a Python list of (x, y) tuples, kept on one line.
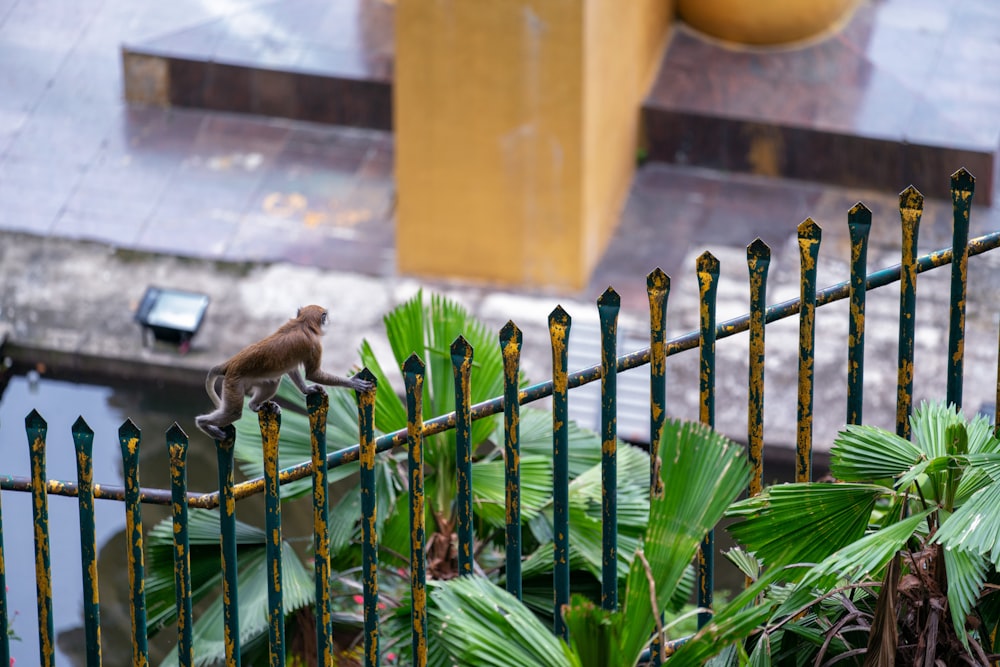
[(314, 389), (357, 384)]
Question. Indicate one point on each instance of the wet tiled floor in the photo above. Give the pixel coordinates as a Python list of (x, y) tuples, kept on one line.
[(906, 90)]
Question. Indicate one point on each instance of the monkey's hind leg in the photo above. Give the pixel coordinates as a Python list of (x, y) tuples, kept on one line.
[(204, 422), (227, 413), (262, 392)]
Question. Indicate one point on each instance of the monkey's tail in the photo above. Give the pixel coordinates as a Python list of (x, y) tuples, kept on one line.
[(213, 375)]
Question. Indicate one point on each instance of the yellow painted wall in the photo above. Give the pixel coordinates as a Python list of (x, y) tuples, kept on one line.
[(515, 130), (623, 46)]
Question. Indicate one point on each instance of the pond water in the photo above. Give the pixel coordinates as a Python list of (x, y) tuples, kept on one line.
[(153, 407)]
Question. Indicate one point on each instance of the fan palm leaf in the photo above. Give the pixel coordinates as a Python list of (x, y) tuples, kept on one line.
[(203, 534), (481, 624), (793, 523), (861, 558), (703, 472)]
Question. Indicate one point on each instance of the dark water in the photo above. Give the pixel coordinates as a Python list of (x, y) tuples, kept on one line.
[(153, 407)]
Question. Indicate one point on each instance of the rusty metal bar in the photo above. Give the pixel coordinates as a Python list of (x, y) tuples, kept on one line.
[(461, 360), (37, 428), (608, 305), (559, 327), (83, 440), (318, 406), (510, 345), (859, 224), (657, 290), (708, 286), (369, 537), (758, 262), (809, 240), (963, 185), (129, 437), (911, 208), (413, 379), (269, 419), (227, 531), (177, 448)]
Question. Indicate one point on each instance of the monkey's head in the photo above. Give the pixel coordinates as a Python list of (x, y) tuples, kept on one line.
[(313, 316)]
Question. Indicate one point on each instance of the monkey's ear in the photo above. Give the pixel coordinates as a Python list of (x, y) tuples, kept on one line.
[(298, 313)]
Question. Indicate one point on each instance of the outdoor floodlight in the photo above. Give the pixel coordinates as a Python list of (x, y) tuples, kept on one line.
[(173, 316)]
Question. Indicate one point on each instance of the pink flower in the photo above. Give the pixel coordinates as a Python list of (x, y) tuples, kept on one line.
[(359, 599)]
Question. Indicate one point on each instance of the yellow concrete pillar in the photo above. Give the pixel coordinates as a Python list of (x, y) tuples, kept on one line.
[(516, 130)]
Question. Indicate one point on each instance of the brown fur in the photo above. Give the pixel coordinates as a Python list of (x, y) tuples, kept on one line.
[(259, 367)]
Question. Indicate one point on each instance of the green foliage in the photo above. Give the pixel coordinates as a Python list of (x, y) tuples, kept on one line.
[(203, 532), (933, 500), (702, 472), (428, 327)]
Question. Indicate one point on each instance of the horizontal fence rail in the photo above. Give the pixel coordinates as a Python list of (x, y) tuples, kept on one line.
[(461, 420)]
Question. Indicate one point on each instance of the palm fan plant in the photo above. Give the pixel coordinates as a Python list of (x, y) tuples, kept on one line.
[(895, 563), (478, 623), (428, 328)]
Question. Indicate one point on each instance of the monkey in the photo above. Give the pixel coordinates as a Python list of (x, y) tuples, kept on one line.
[(259, 367)]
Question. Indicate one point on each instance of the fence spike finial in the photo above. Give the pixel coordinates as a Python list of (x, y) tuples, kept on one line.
[(34, 420), (80, 426)]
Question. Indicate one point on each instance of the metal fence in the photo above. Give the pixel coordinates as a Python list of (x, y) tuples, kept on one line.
[(180, 499)]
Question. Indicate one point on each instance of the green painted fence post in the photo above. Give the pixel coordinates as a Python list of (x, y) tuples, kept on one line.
[(708, 286), (657, 290), (963, 184), (227, 536), (758, 262), (369, 538), (413, 379), (36, 429), (809, 240), (559, 326), (911, 208), (608, 305), (83, 439), (859, 224), (318, 406), (177, 448), (510, 345), (269, 420), (129, 438), (461, 360)]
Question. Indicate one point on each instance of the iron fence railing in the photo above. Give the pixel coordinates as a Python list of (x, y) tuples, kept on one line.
[(133, 496)]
